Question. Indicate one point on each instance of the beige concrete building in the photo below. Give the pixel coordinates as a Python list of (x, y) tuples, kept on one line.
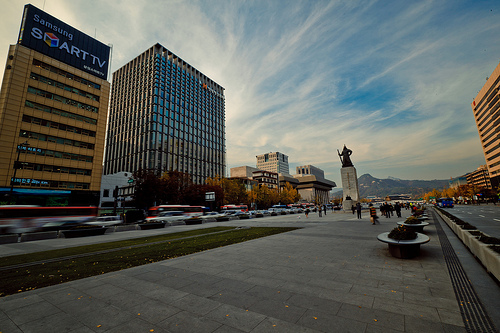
[(52, 119), (479, 177), (274, 162), (312, 186), (242, 172), (486, 108)]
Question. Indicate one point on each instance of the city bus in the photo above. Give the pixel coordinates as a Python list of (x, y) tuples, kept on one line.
[(243, 208), (191, 211), (445, 202), (19, 219)]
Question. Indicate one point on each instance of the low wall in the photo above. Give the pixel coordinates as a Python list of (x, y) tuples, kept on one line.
[(488, 258)]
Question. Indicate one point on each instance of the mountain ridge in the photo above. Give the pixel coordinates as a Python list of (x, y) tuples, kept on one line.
[(371, 186)]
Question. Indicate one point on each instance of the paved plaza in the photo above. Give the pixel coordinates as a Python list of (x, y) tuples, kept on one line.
[(332, 275)]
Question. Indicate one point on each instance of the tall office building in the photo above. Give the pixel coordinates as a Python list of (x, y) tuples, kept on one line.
[(486, 108), (274, 162), (53, 112), (165, 115)]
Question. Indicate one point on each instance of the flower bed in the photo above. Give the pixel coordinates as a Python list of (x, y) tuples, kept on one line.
[(404, 242)]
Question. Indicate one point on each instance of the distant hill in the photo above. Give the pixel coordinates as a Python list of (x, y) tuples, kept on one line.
[(371, 186)]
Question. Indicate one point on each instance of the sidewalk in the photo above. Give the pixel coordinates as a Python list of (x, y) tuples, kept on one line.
[(331, 276)]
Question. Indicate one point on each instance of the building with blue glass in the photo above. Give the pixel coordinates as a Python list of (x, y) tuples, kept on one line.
[(165, 115)]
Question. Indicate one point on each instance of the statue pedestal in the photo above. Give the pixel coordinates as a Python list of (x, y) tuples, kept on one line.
[(349, 186), (347, 205)]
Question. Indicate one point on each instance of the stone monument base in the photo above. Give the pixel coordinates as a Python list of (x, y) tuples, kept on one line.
[(349, 186)]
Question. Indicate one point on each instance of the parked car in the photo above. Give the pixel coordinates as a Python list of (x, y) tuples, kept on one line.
[(211, 215), (168, 216), (105, 220)]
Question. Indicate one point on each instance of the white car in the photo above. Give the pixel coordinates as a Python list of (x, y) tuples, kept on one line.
[(211, 215), (169, 216), (105, 220)]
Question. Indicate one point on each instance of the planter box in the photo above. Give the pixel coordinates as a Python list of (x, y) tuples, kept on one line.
[(489, 258), (129, 227), (148, 226), (178, 222), (8, 239), (32, 236), (468, 239), (193, 221), (84, 232)]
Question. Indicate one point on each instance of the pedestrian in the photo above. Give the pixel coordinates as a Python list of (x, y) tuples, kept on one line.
[(373, 214), (397, 208), (353, 208), (358, 210), (307, 212), (382, 210), (319, 210), (324, 209)]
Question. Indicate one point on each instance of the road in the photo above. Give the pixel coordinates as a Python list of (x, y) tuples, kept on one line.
[(485, 217)]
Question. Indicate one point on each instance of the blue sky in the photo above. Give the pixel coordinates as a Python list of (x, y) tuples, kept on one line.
[(393, 80)]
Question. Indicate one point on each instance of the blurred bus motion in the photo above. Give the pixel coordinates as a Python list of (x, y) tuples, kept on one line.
[(21, 219), (243, 208), (191, 211)]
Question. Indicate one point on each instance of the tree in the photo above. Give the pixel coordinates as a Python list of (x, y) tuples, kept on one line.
[(289, 195), (148, 188), (195, 195), (264, 197), (233, 191), (176, 184)]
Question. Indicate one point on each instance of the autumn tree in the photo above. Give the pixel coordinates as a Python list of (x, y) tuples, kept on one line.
[(289, 195), (264, 197), (233, 191)]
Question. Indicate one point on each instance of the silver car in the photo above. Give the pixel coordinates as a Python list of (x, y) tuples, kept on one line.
[(169, 216)]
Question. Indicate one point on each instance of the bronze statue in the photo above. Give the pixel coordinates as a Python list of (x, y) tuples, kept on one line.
[(344, 157)]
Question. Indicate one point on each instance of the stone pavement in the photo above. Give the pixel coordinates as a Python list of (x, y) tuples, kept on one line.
[(330, 276)]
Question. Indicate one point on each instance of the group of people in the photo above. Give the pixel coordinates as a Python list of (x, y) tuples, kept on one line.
[(319, 209), (387, 210)]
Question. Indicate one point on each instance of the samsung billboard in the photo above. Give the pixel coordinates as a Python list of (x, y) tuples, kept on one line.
[(46, 34)]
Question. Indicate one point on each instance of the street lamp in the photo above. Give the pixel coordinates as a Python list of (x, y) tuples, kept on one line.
[(16, 166)]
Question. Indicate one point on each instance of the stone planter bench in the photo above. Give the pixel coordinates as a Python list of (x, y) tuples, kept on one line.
[(404, 249), (415, 227), (9, 238), (33, 236), (152, 225)]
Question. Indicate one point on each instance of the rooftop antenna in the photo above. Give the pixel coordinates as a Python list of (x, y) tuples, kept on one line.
[(43, 5)]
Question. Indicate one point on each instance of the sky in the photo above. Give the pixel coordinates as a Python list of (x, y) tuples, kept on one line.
[(392, 80)]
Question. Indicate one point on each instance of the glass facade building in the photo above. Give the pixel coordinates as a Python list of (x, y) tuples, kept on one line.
[(167, 116)]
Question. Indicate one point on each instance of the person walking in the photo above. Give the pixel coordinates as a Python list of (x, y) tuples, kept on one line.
[(358, 210), (373, 214), (319, 210), (324, 209), (307, 212), (353, 208), (397, 208)]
